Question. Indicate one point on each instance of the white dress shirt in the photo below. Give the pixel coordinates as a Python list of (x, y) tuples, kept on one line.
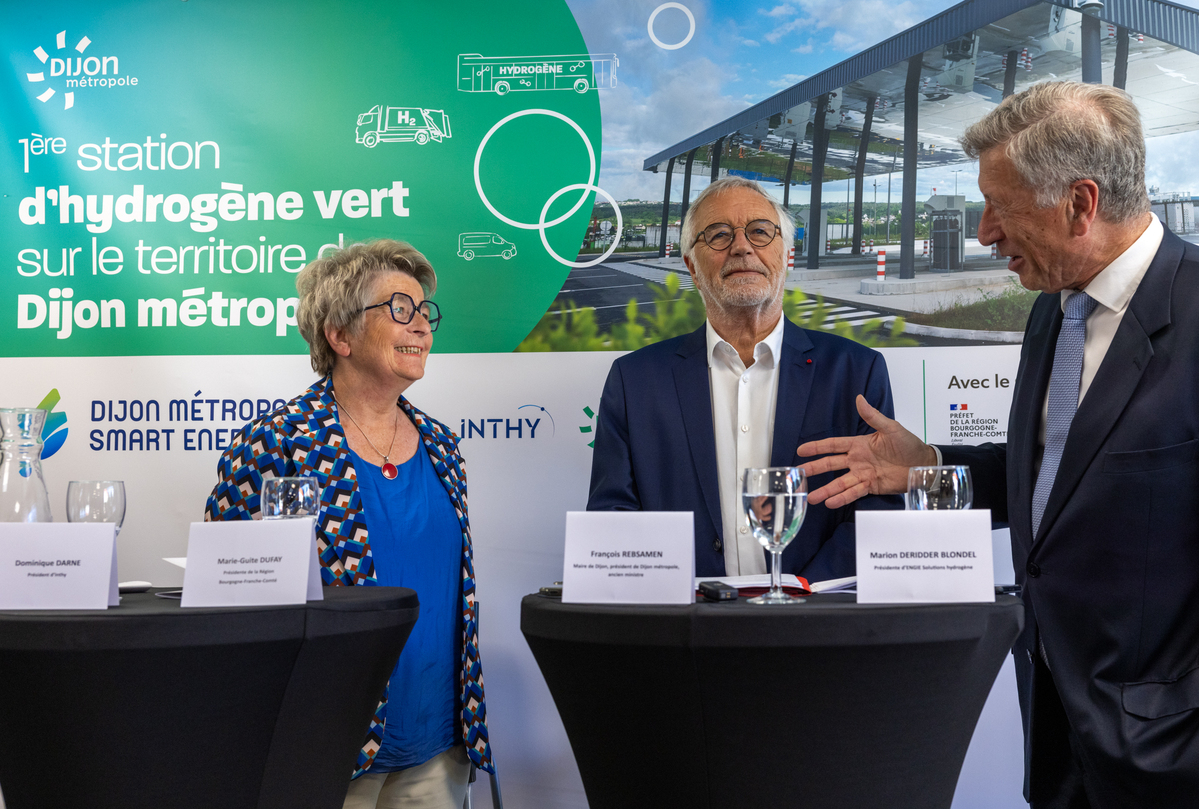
[(1112, 289), (743, 404)]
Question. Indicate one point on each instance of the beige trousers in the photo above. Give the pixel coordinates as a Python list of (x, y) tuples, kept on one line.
[(439, 783)]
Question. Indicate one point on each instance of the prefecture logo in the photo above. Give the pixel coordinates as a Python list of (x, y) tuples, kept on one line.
[(73, 69)]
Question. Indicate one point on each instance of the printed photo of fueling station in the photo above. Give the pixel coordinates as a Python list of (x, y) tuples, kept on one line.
[(883, 264)]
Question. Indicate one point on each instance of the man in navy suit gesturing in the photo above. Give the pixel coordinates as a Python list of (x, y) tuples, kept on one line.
[(1100, 475), (679, 420)]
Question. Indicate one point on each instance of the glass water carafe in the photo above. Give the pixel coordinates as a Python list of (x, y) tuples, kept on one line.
[(23, 495)]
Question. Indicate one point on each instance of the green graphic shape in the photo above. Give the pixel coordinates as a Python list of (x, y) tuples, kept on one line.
[(587, 428), (122, 235)]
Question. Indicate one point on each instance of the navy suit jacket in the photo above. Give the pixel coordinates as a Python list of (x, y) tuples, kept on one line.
[(1111, 580), (655, 449)]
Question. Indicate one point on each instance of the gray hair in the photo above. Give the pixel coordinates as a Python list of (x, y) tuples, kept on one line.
[(335, 288), (691, 230), (1057, 133)]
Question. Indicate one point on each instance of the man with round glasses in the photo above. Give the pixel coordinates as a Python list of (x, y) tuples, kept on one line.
[(679, 420)]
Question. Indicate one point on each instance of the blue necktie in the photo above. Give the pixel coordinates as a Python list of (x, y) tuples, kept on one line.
[(1064, 385)]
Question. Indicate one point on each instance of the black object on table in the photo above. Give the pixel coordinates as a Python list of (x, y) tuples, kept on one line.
[(824, 704), (151, 705)]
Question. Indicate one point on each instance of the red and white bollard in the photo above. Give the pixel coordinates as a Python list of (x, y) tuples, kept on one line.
[(925, 253), (872, 245), (882, 265), (995, 250), (790, 259)]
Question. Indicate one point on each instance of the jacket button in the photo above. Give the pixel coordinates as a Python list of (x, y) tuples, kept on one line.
[(1033, 569)]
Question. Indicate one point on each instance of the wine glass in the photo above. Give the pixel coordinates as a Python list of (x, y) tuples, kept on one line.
[(775, 500), (939, 487), (287, 498), (96, 501)]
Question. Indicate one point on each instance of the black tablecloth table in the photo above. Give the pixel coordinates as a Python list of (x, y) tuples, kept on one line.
[(824, 704), (151, 705)]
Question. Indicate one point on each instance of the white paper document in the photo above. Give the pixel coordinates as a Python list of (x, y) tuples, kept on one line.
[(924, 556), (750, 582), (251, 563), (629, 557), (58, 566), (1001, 549), (846, 584)]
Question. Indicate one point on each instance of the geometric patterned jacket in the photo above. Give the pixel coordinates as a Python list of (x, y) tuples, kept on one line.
[(304, 438)]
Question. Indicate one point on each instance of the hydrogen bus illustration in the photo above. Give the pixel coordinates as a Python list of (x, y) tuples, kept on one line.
[(503, 74), (401, 124)]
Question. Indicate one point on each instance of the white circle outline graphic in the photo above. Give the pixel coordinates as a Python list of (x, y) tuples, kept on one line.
[(650, 26), (543, 224), (578, 265)]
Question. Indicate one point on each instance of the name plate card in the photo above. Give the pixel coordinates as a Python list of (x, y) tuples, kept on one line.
[(924, 556), (629, 557), (251, 563), (58, 566)]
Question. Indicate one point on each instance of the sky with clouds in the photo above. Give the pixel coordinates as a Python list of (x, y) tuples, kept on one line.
[(742, 52)]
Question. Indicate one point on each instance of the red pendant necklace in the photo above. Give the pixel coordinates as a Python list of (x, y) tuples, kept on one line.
[(388, 469)]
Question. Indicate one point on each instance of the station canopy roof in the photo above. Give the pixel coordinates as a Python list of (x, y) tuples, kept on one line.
[(965, 51)]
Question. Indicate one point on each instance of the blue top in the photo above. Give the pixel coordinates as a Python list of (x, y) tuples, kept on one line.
[(417, 542)]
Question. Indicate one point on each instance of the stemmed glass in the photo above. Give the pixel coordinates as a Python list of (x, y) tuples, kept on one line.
[(287, 498), (776, 501), (939, 487), (96, 501)]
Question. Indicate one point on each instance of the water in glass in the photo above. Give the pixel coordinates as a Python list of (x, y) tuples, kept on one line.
[(933, 488), (23, 494), (290, 497), (775, 501)]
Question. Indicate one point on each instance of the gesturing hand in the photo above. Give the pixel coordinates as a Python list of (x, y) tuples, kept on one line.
[(878, 463)]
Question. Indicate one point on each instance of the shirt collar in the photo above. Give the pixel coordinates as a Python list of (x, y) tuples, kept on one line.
[(1115, 284), (767, 351)]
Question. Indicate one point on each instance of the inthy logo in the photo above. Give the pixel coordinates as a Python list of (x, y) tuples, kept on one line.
[(76, 72)]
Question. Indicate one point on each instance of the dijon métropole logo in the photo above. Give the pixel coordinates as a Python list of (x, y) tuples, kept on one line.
[(71, 69)]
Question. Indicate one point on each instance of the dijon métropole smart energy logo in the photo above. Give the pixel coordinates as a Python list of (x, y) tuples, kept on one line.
[(66, 70), (54, 430)]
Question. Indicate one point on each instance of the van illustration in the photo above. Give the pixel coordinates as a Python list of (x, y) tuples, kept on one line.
[(502, 74), (484, 245), (401, 124)]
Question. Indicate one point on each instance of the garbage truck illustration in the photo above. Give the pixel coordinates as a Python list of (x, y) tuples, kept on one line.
[(502, 74), (401, 124), (484, 245)]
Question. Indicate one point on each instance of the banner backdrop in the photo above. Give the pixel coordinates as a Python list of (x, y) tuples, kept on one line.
[(168, 169), (175, 165)]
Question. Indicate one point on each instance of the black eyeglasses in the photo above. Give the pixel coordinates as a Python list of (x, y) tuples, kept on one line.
[(719, 236), (403, 309)]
